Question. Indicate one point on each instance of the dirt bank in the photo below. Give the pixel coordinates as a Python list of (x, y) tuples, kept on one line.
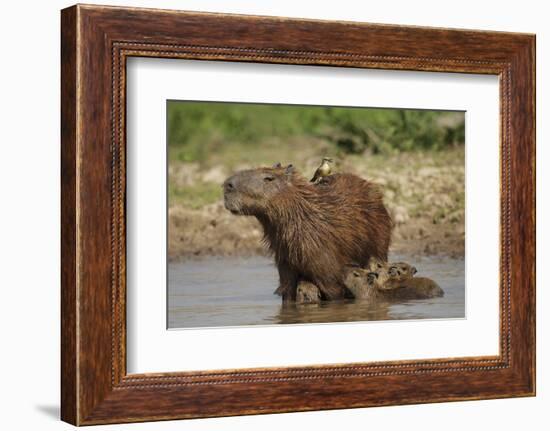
[(424, 193), (214, 231)]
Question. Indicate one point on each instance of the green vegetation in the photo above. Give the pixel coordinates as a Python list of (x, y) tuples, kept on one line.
[(418, 156), (196, 196), (231, 133)]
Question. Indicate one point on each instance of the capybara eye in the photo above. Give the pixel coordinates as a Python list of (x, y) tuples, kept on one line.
[(268, 179), (379, 266)]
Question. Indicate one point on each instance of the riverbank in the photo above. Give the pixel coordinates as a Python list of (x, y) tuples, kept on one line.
[(424, 193)]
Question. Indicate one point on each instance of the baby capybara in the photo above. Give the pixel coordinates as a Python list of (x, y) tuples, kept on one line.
[(414, 288), (313, 230), (396, 271), (362, 284), (366, 285), (307, 293)]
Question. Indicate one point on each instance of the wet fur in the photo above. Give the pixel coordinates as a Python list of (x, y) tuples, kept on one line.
[(413, 288), (307, 293), (395, 271)]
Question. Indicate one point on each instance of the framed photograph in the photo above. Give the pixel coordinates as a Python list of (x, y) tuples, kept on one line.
[(265, 215)]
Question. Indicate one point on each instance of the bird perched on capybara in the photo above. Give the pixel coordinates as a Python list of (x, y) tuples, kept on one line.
[(313, 230), (324, 170)]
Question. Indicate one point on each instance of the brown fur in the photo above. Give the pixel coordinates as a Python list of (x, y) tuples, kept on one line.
[(396, 271), (376, 265), (414, 288), (362, 284), (400, 271), (307, 293), (313, 230)]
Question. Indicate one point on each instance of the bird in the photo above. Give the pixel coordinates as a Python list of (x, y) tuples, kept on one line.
[(323, 170)]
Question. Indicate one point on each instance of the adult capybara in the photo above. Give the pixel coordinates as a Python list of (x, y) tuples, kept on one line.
[(313, 230)]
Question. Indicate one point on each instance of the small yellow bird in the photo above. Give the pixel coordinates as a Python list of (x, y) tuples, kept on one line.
[(323, 170)]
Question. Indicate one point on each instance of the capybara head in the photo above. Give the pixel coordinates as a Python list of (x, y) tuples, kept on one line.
[(308, 293), (362, 283), (250, 192), (376, 265), (400, 271)]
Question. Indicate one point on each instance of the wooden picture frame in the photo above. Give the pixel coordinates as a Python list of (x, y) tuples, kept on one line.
[(95, 43)]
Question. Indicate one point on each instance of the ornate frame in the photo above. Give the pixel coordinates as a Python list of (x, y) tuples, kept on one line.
[(95, 43)]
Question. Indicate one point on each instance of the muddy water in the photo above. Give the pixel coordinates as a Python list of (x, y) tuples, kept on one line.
[(235, 292)]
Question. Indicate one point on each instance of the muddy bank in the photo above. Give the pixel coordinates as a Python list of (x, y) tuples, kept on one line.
[(213, 231), (424, 194)]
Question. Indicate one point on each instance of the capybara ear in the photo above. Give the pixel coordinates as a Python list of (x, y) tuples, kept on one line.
[(277, 165), (373, 274), (289, 169), (373, 261), (414, 270)]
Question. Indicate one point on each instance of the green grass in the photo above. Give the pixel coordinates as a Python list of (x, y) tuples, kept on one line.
[(195, 196), (266, 152), (387, 143)]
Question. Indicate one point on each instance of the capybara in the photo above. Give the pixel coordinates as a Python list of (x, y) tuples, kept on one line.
[(397, 271), (401, 271), (413, 288), (362, 284), (307, 293), (313, 230), (376, 265), (365, 284)]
